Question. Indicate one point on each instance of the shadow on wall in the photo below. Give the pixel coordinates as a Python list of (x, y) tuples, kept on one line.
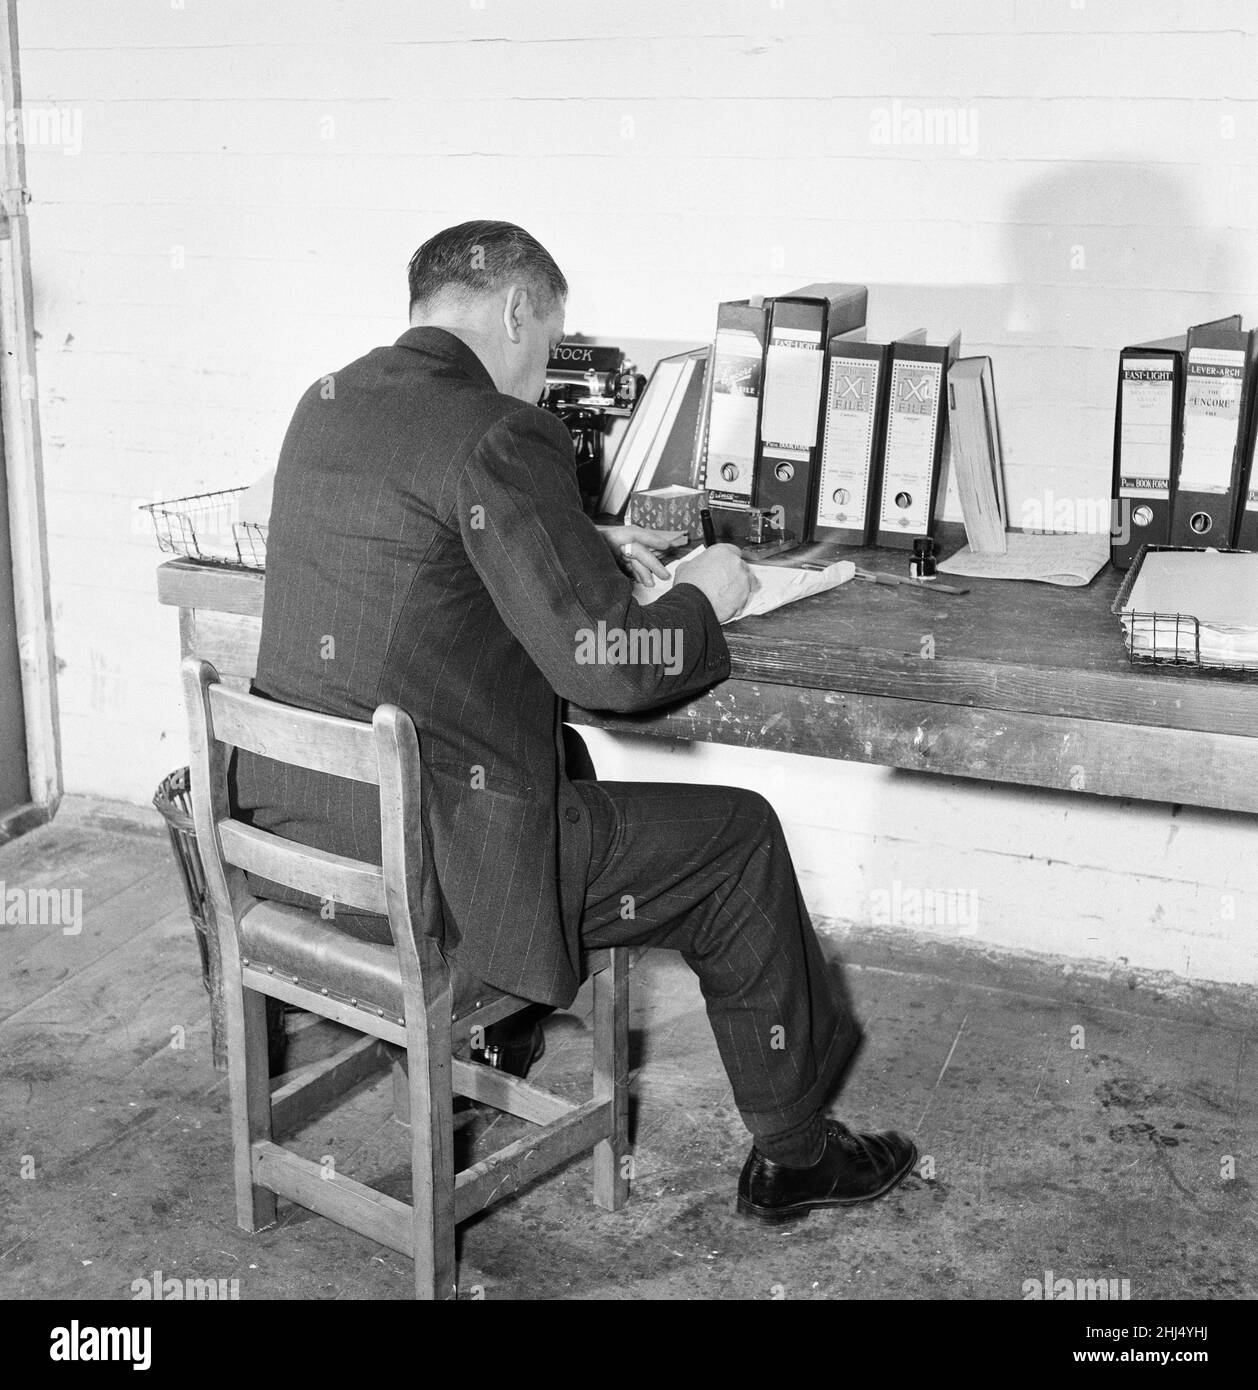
[(1094, 252)]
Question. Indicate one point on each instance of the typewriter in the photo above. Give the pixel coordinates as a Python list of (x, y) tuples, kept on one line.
[(588, 386)]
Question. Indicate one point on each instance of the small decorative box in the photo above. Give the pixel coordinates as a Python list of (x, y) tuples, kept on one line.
[(673, 508)]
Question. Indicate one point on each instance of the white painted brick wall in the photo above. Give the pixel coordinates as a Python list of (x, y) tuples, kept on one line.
[(251, 179)]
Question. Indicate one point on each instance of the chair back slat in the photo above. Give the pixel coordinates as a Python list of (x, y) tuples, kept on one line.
[(351, 882), (321, 742), (385, 754)]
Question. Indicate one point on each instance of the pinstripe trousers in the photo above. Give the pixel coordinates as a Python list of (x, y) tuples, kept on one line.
[(706, 871)]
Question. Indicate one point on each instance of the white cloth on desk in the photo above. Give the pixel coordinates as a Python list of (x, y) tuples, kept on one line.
[(771, 585)]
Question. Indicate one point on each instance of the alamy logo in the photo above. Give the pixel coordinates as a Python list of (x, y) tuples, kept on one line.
[(904, 124), (613, 646), (172, 1289), (75, 1343), (42, 907), (1095, 515), (45, 127), (901, 906), (1055, 1289)]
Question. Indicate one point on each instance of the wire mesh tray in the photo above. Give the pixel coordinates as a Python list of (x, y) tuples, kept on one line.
[(206, 526), (1176, 637)]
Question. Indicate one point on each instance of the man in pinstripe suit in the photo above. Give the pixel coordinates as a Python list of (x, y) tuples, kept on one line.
[(427, 547)]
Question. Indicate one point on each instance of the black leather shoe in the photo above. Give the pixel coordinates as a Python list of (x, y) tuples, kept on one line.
[(509, 1049), (853, 1168)]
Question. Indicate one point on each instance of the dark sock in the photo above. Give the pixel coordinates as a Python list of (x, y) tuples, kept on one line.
[(798, 1147)]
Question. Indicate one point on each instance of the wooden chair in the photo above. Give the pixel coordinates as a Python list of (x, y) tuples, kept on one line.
[(402, 996)]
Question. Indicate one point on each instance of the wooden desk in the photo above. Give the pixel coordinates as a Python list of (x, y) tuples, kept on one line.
[(1028, 683)]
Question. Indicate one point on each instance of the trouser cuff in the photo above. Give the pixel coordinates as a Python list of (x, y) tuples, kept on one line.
[(841, 1052)]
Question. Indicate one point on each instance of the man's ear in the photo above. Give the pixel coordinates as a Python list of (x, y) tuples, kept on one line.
[(513, 310)]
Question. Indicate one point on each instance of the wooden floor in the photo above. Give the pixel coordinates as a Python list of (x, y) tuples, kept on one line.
[(1096, 1127)]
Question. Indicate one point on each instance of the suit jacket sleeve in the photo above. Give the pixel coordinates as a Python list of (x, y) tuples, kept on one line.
[(553, 579)]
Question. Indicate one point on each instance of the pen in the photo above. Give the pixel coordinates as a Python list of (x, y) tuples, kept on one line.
[(709, 531), (877, 577)]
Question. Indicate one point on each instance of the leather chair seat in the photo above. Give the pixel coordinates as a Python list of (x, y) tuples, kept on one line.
[(295, 941)]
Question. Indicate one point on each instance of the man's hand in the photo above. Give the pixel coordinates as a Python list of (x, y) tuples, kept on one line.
[(638, 549), (722, 574)]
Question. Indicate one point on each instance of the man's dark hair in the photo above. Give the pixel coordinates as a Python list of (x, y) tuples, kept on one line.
[(481, 257)]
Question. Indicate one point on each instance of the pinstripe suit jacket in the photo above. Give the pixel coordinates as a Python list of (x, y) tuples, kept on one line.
[(427, 547)]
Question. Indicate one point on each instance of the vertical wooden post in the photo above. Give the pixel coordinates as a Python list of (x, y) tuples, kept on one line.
[(19, 420)]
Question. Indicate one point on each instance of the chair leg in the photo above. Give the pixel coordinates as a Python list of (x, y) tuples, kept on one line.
[(431, 1107), (611, 1079), (249, 1081), (218, 1002)]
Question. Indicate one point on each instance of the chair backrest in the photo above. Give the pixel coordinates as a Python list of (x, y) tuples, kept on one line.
[(384, 753)]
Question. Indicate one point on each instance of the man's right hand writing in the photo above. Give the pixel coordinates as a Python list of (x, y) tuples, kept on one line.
[(722, 574)]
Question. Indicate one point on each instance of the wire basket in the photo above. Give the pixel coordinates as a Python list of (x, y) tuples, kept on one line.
[(173, 801), (1175, 637), (206, 527), (251, 544)]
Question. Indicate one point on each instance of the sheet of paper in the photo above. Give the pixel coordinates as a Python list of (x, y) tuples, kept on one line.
[(1049, 558), (1213, 588), (794, 364), (1195, 606), (772, 586), (255, 502), (1148, 387), (1182, 640), (736, 364), (910, 448), (847, 451), (1212, 406)]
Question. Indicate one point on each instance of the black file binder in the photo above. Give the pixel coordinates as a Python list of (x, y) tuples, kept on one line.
[(914, 473), (728, 437), (1148, 437), (1218, 375), (789, 435), (1245, 531), (854, 423), (731, 414)]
